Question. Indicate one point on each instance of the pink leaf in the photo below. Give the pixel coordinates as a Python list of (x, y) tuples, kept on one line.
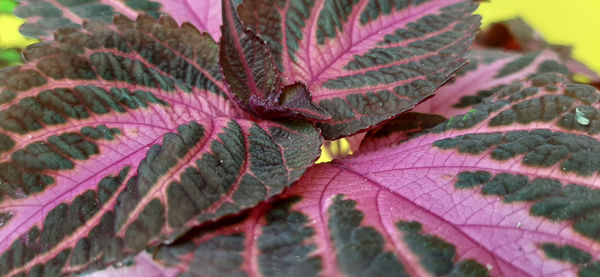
[(44, 17), (516, 34), (476, 196), (204, 14), (398, 130), (253, 78), (364, 61), (118, 137), (486, 72), (142, 265)]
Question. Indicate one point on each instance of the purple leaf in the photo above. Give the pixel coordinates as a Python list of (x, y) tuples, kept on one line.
[(204, 14), (118, 137), (398, 130), (478, 195), (142, 265), (364, 61), (253, 78), (487, 71), (516, 34), (44, 17)]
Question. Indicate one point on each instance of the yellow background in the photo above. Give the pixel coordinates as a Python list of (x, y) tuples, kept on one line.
[(9, 33)]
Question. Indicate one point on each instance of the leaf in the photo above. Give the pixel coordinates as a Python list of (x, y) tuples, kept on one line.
[(44, 17), (516, 34), (118, 137), (487, 71), (364, 61), (205, 14), (398, 130), (253, 78), (142, 265), (471, 199)]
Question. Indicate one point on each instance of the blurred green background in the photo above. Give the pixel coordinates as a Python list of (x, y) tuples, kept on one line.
[(572, 23)]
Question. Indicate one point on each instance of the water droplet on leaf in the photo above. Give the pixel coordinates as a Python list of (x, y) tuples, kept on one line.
[(580, 117)]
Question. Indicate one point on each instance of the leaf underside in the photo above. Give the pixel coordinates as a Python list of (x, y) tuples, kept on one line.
[(506, 190), (119, 136), (398, 130)]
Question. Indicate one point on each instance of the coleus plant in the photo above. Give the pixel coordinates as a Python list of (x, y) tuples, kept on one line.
[(132, 138)]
